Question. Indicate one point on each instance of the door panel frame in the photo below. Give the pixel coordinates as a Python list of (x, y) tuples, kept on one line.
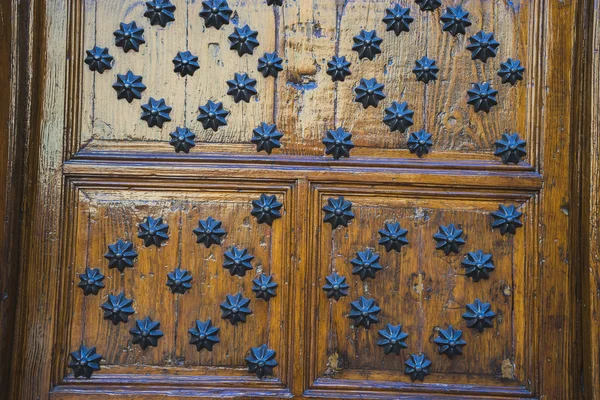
[(587, 127)]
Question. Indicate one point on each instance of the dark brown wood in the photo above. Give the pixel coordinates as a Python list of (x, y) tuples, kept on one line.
[(14, 134), (8, 207), (96, 170)]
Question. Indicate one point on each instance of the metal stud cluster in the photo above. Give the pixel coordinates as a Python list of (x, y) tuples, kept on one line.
[(156, 112), (449, 240), (367, 44), (398, 117), (153, 232)]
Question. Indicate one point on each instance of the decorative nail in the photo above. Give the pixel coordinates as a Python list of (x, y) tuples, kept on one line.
[(369, 92), (117, 308), (98, 59), (146, 333), (364, 312), (235, 308), (91, 281), (153, 231), (129, 86), (129, 36), (338, 212), (120, 255), (85, 361), (160, 12), (209, 232), (266, 209)]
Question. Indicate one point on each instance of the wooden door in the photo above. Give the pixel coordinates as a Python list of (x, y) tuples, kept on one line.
[(440, 225)]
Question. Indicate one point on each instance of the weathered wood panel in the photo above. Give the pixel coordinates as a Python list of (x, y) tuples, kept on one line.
[(423, 290), (307, 103), (107, 215)]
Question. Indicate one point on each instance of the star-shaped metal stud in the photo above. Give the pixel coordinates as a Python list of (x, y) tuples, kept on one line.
[(85, 361), (336, 286), (160, 12), (237, 261), (338, 212), (209, 232), (478, 265), (510, 148), (261, 361), (397, 19), (419, 143), (129, 36), (270, 64), (153, 231), (426, 70), (417, 367), (117, 308), (98, 59), (120, 255), (398, 117), (479, 315), (511, 71), (129, 86), (266, 137), (235, 308), (204, 335), (179, 280), (182, 139), (156, 112), (266, 209), (483, 46), (241, 88), (369, 92), (338, 143), (212, 115), (91, 281), (449, 239), (482, 97), (429, 5), (216, 13), (366, 44), (366, 264), (455, 20), (243, 40), (449, 342), (338, 68), (393, 237), (392, 339), (507, 219), (364, 312), (146, 333), (264, 287), (185, 63)]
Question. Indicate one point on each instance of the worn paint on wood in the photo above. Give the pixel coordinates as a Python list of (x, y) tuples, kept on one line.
[(303, 100), (99, 170)]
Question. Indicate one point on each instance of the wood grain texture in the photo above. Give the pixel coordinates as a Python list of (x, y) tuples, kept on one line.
[(589, 128), (108, 215), (8, 206), (41, 246), (77, 204), (558, 282), (303, 101), (423, 290), (13, 152)]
